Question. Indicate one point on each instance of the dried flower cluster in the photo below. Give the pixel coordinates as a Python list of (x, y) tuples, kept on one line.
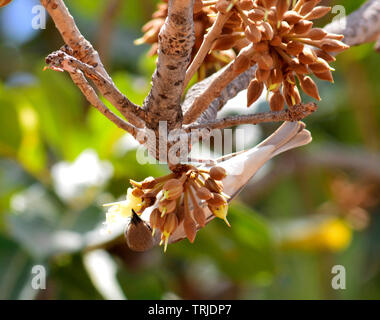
[(283, 43), (177, 198)]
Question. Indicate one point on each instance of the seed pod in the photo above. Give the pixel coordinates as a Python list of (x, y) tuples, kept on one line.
[(309, 87), (319, 66), (276, 101), (255, 89), (327, 75), (256, 15), (199, 216), (303, 26), (307, 56), (331, 45), (282, 7), (218, 173), (292, 17), (262, 75), (217, 200), (317, 13), (213, 186), (294, 48), (172, 189), (253, 34), (204, 194), (316, 34), (190, 228)]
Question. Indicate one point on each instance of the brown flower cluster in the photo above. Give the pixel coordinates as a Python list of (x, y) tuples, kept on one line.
[(285, 47), (181, 198), (204, 17)]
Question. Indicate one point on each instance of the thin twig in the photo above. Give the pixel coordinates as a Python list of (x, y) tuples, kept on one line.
[(233, 69), (61, 59), (208, 40), (84, 51), (176, 40), (90, 94), (294, 113)]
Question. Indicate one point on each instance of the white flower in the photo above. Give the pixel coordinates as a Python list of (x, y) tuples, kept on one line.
[(121, 210)]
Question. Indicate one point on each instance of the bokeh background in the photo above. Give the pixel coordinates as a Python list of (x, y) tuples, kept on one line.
[(60, 160)]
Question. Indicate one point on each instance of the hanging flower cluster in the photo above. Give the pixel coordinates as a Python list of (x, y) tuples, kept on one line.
[(177, 198)]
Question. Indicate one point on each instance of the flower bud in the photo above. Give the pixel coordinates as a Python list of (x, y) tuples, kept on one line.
[(309, 87), (276, 101), (255, 89), (172, 189), (218, 173), (199, 216), (317, 13), (155, 220), (204, 194), (214, 186), (190, 229), (217, 200), (166, 206)]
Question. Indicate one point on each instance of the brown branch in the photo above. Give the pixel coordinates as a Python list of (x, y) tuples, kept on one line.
[(61, 59), (83, 51), (208, 40), (215, 87), (176, 40), (91, 96), (294, 113)]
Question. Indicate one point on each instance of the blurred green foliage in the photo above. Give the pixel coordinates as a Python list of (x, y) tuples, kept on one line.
[(45, 122)]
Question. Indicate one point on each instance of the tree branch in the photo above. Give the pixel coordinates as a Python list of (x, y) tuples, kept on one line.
[(61, 59), (91, 96), (294, 113), (83, 50), (217, 85), (176, 40)]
